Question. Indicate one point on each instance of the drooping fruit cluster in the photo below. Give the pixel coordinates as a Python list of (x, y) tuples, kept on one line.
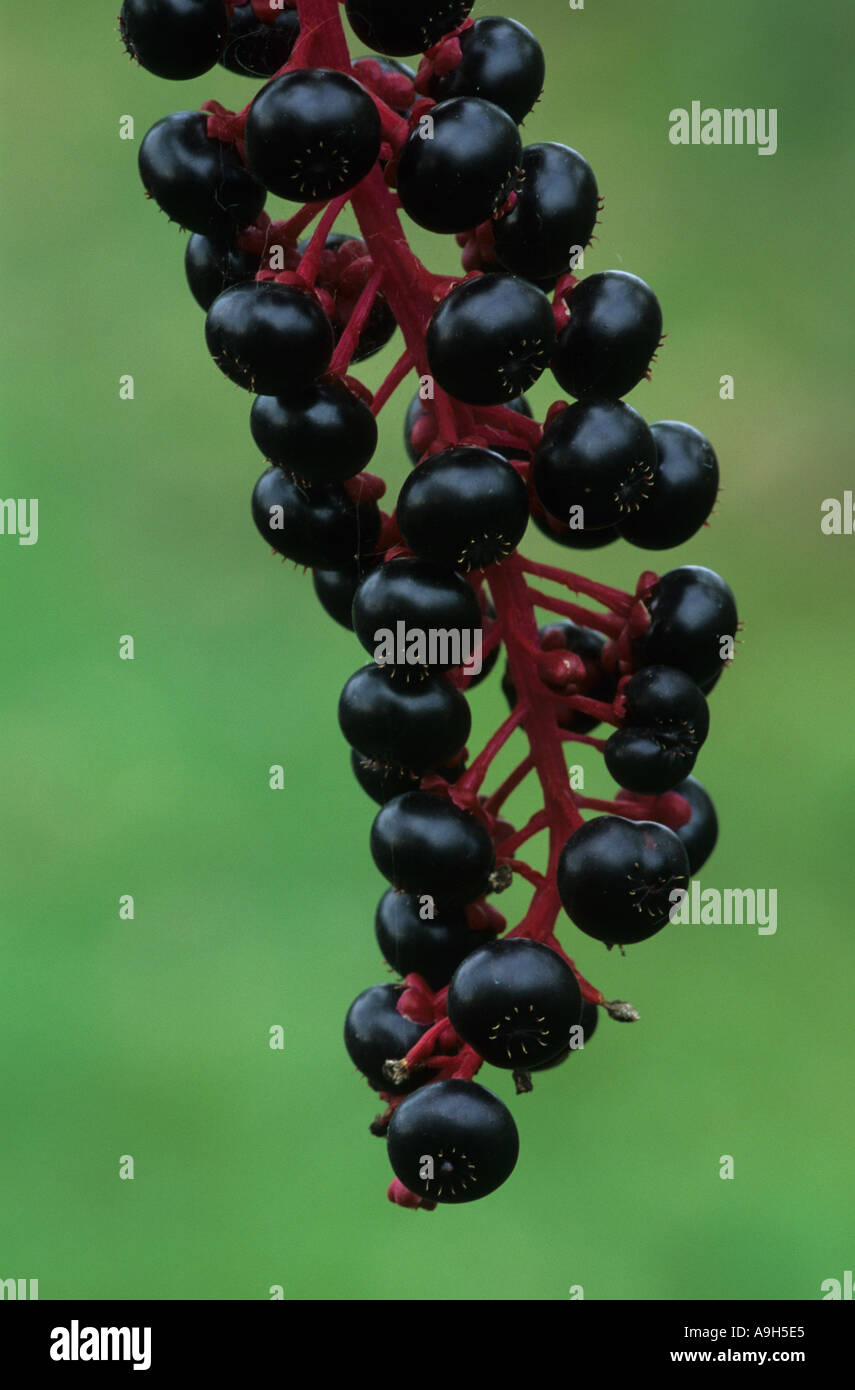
[(434, 589)]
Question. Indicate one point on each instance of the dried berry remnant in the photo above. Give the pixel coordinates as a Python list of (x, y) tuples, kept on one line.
[(435, 587)]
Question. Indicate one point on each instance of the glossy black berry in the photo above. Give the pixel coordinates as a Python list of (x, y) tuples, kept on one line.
[(457, 171), (401, 28), (426, 600), (253, 49), (685, 492), (336, 587), (614, 329), (311, 134), (453, 1141), (490, 338), (213, 266), (411, 720), (616, 877), (598, 456), (419, 410), (322, 432), (700, 833), (465, 508), (178, 39), (551, 222), (663, 729), (415, 936), (423, 844), (375, 1033), (381, 781), (581, 1036), (514, 1001), (198, 182), (313, 524), (268, 337), (502, 62), (693, 623)]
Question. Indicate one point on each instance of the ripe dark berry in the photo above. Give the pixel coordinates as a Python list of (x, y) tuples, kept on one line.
[(466, 508), (381, 781), (198, 182), (700, 833), (312, 133), (413, 940), (599, 456), (514, 1001), (425, 599), (416, 723), (554, 214), (269, 338), (424, 844), (335, 588), (685, 492), (490, 338), (615, 878), (418, 410), (614, 329), (313, 524), (459, 171), (588, 1024), (213, 266), (253, 49), (375, 1033), (322, 432), (662, 732), (453, 1141), (502, 62), (692, 611), (388, 26), (178, 39)]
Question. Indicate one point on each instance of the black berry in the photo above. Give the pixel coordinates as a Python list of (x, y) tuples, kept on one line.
[(312, 133), (375, 1033), (414, 937), (254, 49), (381, 781), (514, 1001), (268, 337), (322, 432), (662, 732), (614, 329), (425, 599), (313, 524), (700, 833), (198, 182), (453, 1141), (214, 266), (336, 587), (616, 878), (490, 338), (466, 508), (424, 844), (459, 170), (598, 456), (502, 62), (551, 223), (392, 26), (693, 622), (178, 39), (415, 721), (685, 492)]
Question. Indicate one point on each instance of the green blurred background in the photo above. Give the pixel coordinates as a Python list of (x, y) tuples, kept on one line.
[(149, 1037)]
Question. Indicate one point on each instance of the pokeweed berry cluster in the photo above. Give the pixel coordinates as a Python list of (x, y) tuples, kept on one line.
[(439, 581)]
